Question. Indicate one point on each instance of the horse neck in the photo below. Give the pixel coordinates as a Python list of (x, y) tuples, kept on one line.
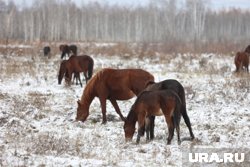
[(132, 117), (87, 97)]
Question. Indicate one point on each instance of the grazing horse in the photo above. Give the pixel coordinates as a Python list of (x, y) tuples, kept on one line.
[(112, 84), (65, 49), (63, 72), (75, 65), (176, 86), (241, 61), (46, 51), (154, 103)]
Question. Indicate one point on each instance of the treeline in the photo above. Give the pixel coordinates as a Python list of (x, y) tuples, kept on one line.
[(160, 21)]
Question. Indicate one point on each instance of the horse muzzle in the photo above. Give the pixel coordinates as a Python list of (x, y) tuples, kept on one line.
[(128, 139)]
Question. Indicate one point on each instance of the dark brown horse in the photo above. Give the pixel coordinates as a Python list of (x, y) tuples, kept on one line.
[(241, 61), (175, 86), (75, 65), (112, 84), (46, 51), (154, 103), (65, 49)]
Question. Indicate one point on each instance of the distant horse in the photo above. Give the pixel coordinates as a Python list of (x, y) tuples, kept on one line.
[(112, 84), (75, 65), (46, 51), (248, 49), (241, 61), (63, 72), (154, 103), (65, 49), (176, 86)]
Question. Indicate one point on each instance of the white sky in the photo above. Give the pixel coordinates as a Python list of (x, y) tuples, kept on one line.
[(216, 4)]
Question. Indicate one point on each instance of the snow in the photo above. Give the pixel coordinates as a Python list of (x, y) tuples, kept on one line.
[(37, 118)]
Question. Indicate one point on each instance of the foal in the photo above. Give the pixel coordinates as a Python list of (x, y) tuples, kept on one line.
[(154, 103)]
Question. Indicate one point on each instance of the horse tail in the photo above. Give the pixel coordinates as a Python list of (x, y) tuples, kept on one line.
[(177, 110), (90, 68)]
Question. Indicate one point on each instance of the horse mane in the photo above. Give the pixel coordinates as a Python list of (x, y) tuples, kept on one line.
[(91, 85)]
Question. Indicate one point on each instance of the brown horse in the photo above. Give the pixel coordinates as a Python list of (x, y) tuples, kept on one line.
[(46, 51), (76, 64), (112, 84), (241, 61), (154, 103), (174, 85), (63, 72)]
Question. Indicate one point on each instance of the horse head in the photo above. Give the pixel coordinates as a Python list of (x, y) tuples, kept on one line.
[(82, 112), (129, 129)]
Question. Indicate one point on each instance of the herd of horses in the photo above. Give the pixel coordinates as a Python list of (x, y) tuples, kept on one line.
[(165, 98)]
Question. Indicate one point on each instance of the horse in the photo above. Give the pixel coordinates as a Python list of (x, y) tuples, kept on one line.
[(75, 65), (241, 61), (154, 103), (46, 51), (112, 84), (63, 72), (170, 84), (65, 49)]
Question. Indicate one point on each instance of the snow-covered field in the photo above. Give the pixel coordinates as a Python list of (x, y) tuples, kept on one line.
[(37, 116)]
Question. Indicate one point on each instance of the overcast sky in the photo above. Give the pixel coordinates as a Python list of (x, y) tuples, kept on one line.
[(216, 4)]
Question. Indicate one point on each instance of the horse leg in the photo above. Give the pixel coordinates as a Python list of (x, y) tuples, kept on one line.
[(178, 133), (187, 121), (117, 109), (62, 55), (170, 125), (152, 126), (141, 126), (103, 105), (147, 127), (85, 76), (140, 133), (70, 77), (78, 78)]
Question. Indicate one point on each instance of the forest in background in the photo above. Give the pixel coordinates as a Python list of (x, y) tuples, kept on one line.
[(192, 26)]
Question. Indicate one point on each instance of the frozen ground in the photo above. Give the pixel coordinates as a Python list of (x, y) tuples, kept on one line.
[(37, 126)]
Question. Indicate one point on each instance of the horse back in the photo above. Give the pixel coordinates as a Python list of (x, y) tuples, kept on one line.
[(169, 84), (138, 79), (157, 102), (122, 83)]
